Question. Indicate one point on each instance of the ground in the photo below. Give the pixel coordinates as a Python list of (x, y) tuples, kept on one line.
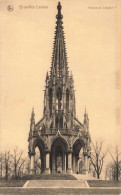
[(104, 183), (12, 183), (46, 191), (15, 187)]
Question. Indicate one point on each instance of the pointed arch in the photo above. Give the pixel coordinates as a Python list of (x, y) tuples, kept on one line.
[(59, 139), (77, 145), (59, 97), (39, 142), (59, 149)]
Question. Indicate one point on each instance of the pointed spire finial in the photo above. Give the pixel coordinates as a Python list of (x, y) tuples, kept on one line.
[(85, 109), (59, 65), (85, 114), (47, 75), (86, 120), (32, 125), (59, 15), (32, 116)]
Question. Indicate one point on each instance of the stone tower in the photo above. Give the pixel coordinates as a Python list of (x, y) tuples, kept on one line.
[(59, 135)]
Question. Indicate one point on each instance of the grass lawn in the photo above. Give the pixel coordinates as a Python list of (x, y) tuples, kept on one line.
[(12, 183), (61, 191), (104, 183)]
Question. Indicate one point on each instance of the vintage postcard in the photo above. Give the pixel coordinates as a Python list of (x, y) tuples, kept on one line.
[(60, 93)]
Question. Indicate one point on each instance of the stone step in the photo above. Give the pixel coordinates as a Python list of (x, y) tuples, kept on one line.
[(57, 176), (55, 184)]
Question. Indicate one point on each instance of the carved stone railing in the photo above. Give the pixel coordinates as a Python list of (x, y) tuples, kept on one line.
[(53, 131)]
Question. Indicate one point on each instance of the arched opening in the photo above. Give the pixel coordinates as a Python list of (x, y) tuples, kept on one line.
[(39, 149), (59, 120), (59, 150), (59, 116), (59, 159), (67, 99), (50, 99), (78, 159), (81, 166), (37, 161), (51, 125)]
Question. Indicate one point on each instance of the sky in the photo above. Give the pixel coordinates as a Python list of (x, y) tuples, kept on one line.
[(92, 33)]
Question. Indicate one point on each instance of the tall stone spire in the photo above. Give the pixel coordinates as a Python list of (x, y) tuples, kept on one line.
[(59, 97), (32, 124), (86, 120), (59, 66)]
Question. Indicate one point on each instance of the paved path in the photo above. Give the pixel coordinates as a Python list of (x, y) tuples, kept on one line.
[(55, 184)]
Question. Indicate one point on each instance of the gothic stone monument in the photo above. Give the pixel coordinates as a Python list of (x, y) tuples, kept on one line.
[(59, 135)]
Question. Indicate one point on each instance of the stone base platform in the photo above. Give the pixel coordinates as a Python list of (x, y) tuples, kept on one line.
[(58, 181)]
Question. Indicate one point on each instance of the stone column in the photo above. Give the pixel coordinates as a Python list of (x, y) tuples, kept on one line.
[(69, 171), (53, 163), (32, 171), (76, 163), (65, 162), (86, 164), (47, 167), (74, 168)]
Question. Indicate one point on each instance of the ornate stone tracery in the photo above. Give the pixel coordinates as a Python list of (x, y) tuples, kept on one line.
[(59, 135)]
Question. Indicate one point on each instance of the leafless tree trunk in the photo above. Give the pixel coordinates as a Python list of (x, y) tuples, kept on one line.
[(27, 166), (117, 163), (97, 157), (12, 164), (18, 161), (7, 163), (21, 167)]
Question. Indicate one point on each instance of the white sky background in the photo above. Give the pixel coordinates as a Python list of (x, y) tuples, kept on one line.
[(93, 50)]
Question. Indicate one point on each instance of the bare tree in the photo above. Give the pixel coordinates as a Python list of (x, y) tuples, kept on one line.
[(109, 171), (97, 157), (7, 162), (17, 162), (12, 164), (1, 165), (116, 165), (91, 169), (21, 167), (27, 166)]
